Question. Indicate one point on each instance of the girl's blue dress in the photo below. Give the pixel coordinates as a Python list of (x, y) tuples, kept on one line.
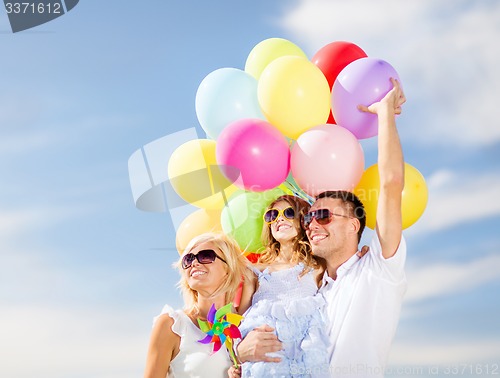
[(288, 302)]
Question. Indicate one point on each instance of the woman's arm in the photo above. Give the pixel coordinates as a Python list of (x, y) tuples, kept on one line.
[(163, 347)]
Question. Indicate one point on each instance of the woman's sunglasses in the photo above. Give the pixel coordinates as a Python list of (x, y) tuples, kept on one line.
[(206, 256), (322, 216), (272, 215)]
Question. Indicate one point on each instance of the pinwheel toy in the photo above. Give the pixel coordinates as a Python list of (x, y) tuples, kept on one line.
[(221, 327)]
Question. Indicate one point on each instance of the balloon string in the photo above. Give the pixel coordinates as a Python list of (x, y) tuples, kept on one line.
[(299, 192)]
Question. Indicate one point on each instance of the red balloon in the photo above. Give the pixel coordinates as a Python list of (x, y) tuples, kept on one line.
[(331, 120), (333, 58)]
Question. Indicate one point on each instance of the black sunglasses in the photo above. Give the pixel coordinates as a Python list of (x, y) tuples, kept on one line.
[(322, 216), (205, 256), (272, 215)]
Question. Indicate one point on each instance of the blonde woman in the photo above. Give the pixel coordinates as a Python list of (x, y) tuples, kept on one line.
[(211, 268)]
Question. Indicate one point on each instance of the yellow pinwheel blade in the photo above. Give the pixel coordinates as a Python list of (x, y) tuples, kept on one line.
[(234, 318)]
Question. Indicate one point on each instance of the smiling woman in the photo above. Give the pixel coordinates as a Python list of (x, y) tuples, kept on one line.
[(211, 268)]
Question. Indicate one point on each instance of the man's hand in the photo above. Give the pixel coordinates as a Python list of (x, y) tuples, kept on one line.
[(257, 343), (363, 251), (392, 100)]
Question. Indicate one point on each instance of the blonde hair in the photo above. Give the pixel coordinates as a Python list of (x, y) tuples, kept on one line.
[(237, 266), (301, 247)]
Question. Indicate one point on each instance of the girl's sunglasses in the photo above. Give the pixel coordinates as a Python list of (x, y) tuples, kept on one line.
[(206, 256), (272, 215), (322, 216)]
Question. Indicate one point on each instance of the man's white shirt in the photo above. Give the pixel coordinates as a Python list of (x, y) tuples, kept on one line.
[(362, 311)]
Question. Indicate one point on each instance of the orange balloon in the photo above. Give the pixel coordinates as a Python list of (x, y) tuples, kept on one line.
[(414, 199)]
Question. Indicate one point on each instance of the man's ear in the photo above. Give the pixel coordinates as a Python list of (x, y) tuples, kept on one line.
[(355, 225)]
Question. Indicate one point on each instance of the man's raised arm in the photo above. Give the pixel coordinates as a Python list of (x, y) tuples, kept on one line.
[(391, 169)]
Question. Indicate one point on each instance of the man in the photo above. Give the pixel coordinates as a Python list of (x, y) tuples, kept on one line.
[(363, 295)]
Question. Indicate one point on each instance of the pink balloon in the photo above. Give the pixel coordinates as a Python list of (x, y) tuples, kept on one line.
[(327, 157), (253, 154), (364, 81)]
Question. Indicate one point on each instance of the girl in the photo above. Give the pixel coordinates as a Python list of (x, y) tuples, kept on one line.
[(288, 277)]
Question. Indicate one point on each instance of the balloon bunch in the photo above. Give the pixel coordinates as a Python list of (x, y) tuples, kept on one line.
[(284, 124)]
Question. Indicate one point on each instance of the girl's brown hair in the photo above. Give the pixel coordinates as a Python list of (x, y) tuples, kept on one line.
[(301, 247)]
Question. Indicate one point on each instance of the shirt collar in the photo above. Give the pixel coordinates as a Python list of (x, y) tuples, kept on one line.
[(342, 270)]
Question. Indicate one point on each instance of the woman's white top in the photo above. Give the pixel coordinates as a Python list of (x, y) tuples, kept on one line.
[(194, 359)]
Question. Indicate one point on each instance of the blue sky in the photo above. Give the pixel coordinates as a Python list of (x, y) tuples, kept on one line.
[(82, 271)]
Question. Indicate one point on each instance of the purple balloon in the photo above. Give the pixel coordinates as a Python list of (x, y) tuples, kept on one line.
[(362, 82)]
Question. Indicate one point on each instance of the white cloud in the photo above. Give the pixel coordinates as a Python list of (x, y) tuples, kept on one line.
[(458, 198), (13, 222), (61, 342), (16, 222), (59, 321), (314, 23), (444, 52), (442, 279)]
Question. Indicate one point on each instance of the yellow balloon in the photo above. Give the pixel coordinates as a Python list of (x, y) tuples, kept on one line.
[(268, 50), (294, 95), (196, 177), (197, 223), (414, 200), (367, 192)]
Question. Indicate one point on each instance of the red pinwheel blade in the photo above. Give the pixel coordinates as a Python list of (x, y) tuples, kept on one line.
[(232, 332), (217, 346)]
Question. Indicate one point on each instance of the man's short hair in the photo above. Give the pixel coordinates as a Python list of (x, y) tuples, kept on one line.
[(353, 204)]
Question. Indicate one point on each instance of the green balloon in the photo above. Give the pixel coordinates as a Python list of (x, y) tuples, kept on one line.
[(242, 218)]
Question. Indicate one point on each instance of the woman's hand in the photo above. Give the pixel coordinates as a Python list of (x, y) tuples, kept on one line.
[(234, 372)]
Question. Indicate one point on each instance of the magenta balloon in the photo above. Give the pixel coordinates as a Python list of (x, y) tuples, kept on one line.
[(257, 151), (327, 157), (362, 82)]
